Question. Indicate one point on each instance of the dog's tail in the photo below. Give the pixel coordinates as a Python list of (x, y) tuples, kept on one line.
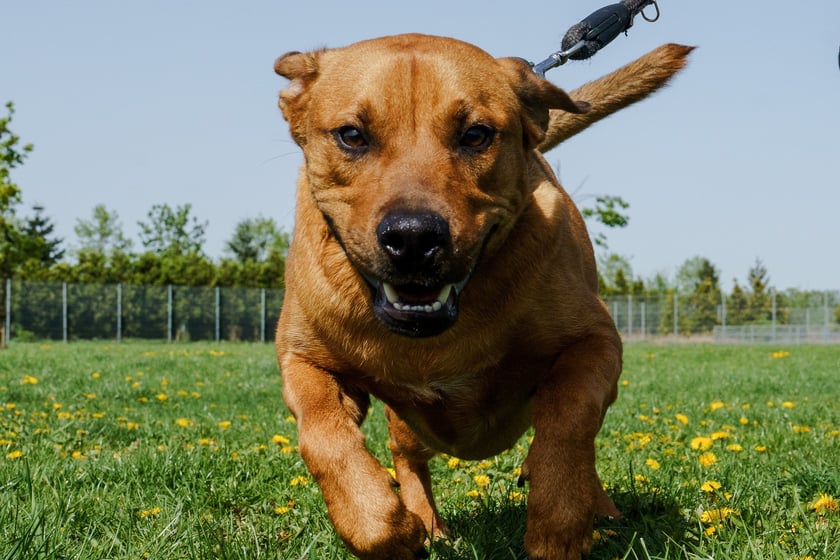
[(616, 90)]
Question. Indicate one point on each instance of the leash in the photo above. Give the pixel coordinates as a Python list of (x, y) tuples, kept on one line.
[(596, 31)]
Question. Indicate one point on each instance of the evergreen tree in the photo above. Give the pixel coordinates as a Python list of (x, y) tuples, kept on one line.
[(38, 243)]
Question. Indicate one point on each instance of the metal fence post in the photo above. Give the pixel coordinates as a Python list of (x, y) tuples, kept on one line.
[(64, 311), (676, 314), (119, 312), (643, 310), (629, 315), (8, 311), (169, 313), (218, 312), (262, 315)]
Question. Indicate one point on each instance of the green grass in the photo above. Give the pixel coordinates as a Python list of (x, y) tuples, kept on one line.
[(145, 450)]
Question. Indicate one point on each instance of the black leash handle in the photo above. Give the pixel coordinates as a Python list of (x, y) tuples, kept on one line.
[(596, 31)]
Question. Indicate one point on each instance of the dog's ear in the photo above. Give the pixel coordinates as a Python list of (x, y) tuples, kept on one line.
[(536, 96), (302, 70)]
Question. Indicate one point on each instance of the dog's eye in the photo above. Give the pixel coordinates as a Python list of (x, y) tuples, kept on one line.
[(477, 137), (351, 138)]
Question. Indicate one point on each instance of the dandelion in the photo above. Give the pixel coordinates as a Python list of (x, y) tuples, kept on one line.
[(652, 463), (710, 486), (453, 463), (701, 443), (681, 418), (149, 512), (734, 447), (801, 429), (824, 504), (744, 421), (184, 422), (29, 380), (719, 435), (474, 494), (780, 354), (760, 448), (711, 516), (708, 459), (224, 424), (788, 404), (482, 480), (716, 405), (299, 481), (162, 397), (96, 375), (279, 440), (12, 455)]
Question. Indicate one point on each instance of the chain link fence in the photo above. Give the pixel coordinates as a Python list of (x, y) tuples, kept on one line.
[(63, 311), (814, 321)]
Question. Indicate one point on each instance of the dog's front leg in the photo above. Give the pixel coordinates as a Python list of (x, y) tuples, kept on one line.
[(566, 492), (411, 463), (366, 511)]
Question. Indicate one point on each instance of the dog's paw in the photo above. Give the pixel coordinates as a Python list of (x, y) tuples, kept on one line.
[(558, 537), (400, 536)]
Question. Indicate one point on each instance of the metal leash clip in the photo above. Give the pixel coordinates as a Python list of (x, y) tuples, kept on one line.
[(594, 32)]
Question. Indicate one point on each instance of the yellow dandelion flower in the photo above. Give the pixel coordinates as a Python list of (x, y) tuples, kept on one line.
[(701, 443), (453, 463), (286, 449), (299, 481), (710, 486), (801, 429), (710, 531), (824, 504), (744, 421), (734, 447), (708, 459), (205, 441), (143, 400), (282, 509), (474, 494), (719, 435), (716, 515), (279, 440), (16, 454), (716, 405), (780, 354), (149, 512), (652, 463), (760, 448), (162, 397), (640, 478), (184, 422), (224, 424), (681, 418), (96, 375), (78, 455), (788, 404), (482, 480), (29, 380)]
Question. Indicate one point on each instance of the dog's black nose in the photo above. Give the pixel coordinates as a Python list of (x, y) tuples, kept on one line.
[(412, 240)]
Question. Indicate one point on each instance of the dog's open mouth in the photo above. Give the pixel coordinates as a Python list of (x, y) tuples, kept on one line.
[(415, 310)]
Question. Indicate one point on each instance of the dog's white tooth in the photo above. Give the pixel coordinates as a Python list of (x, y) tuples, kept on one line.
[(444, 294), (390, 294), (436, 306), (427, 308)]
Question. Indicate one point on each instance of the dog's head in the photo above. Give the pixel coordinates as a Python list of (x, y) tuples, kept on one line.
[(417, 152)]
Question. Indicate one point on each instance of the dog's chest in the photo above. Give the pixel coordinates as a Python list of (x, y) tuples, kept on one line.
[(470, 417)]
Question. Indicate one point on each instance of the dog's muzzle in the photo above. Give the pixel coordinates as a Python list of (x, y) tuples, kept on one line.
[(415, 300)]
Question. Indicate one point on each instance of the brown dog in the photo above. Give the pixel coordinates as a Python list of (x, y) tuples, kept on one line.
[(438, 265)]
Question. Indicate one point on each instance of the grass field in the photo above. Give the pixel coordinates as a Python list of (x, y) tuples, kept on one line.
[(145, 450)]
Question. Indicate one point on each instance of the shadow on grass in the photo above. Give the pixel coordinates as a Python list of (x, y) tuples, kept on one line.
[(652, 526)]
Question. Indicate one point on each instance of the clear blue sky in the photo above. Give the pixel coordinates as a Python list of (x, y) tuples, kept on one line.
[(135, 104)]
